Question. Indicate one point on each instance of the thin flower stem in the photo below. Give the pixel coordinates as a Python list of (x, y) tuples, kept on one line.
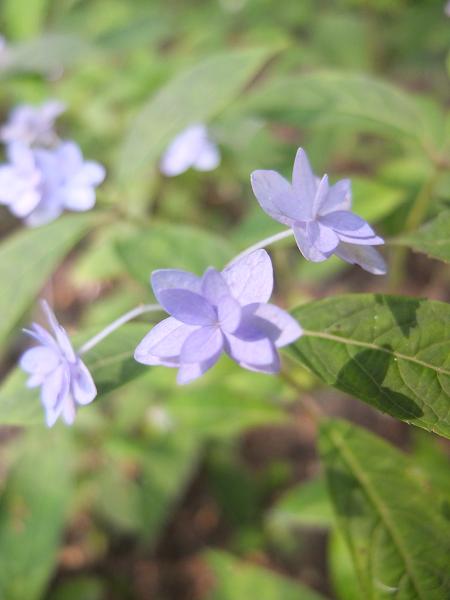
[(263, 244), (131, 314)]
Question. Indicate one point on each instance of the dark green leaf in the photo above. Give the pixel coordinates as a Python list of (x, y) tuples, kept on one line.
[(390, 351), (433, 238), (399, 542)]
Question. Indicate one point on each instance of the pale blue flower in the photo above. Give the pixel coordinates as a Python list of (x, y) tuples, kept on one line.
[(319, 215), (32, 125), (192, 148), (38, 184), (54, 366), (220, 312)]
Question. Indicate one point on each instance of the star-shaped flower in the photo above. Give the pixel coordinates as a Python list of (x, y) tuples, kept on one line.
[(191, 148), (32, 125), (219, 312), (54, 366), (319, 215), (38, 184)]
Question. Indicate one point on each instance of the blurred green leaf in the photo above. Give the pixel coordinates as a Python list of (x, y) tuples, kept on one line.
[(111, 364), (79, 588), (390, 351), (360, 100), (24, 18), (399, 542), (164, 246), (306, 505), (342, 571), (433, 238), (240, 580), (28, 258), (32, 512), (196, 94)]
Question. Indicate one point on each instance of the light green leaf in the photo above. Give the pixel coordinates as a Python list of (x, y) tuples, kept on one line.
[(399, 542), (28, 258), (390, 351), (306, 505), (173, 246), (111, 364), (361, 100), (195, 95), (342, 571), (48, 54), (24, 18), (433, 238), (240, 580), (32, 512)]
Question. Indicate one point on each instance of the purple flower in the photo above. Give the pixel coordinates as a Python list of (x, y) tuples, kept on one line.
[(39, 184), (219, 312), (32, 125), (191, 148), (319, 215), (64, 379)]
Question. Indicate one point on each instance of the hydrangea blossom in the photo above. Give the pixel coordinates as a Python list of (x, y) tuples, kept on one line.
[(39, 184), (54, 366), (319, 215), (219, 312), (191, 148), (32, 125), (4, 52)]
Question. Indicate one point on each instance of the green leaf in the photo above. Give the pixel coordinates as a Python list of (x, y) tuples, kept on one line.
[(342, 571), (195, 95), (32, 513), (399, 542), (306, 505), (433, 238), (239, 580), (361, 100), (390, 351), (111, 364), (28, 258), (172, 246), (48, 54), (24, 18)]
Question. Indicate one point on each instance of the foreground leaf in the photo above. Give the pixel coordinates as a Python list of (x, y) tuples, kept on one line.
[(28, 258), (390, 351), (433, 238), (398, 540), (172, 246), (111, 364), (239, 580), (32, 512), (195, 95)]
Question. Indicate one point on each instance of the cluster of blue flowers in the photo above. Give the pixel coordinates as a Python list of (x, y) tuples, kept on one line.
[(44, 176), (219, 312)]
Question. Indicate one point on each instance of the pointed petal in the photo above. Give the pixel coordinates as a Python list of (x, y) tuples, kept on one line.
[(39, 360), (168, 279), (78, 198), (183, 150), (162, 345), (351, 228), (365, 256), (229, 312), (69, 410), (303, 179), (191, 371), (82, 385), (214, 286), (250, 278), (60, 333), (315, 241), (320, 197), (277, 197), (202, 345), (339, 197), (208, 158), (289, 329), (188, 307), (90, 174), (55, 386)]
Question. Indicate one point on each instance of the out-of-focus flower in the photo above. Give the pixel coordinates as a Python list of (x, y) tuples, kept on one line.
[(218, 312), (32, 125), (54, 366), (447, 9), (39, 184), (191, 148), (319, 215), (4, 52)]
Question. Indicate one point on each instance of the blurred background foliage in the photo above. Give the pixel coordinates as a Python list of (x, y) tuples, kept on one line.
[(211, 491)]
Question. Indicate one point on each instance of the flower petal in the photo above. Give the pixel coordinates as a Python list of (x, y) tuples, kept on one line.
[(55, 386), (214, 286), (288, 327), (60, 333), (162, 345), (303, 179), (69, 410), (339, 197), (169, 279), (208, 158), (183, 150), (90, 174), (82, 385), (351, 228), (315, 241), (277, 197), (39, 360), (188, 307), (190, 371), (250, 278), (365, 256), (202, 345), (258, 352), (229, 313), (77, 198)]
